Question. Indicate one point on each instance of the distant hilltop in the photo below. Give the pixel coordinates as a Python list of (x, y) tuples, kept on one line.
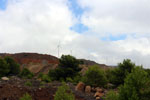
[(37, 63)]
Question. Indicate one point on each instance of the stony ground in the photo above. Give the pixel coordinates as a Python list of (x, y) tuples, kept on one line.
[(16, 88)]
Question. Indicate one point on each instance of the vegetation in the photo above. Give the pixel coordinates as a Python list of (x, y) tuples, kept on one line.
[(118, 74), (4, 67), (26, 73), (26, 97), (95, 76), (64, 93), (136, 86), (28, 83), (111, 95), (44, 77), (8, 67), (13, 66), (68, 67)]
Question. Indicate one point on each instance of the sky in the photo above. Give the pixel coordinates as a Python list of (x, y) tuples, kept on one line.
[(106, 31)]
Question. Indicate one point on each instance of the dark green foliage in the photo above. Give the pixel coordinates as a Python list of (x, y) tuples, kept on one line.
[(26, 97), (136, 86), (64, 93), (44, 77), (95, 76), (68, 61), (13, 66), (120, 73), (4, 67), (28, 83), (148, 72), (26, 73), (68, 67), (111, 95)]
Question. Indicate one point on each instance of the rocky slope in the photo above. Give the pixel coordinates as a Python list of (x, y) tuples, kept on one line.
[(37, 63)]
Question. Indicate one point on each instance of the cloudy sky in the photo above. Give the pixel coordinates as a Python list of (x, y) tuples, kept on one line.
[(106, 31)]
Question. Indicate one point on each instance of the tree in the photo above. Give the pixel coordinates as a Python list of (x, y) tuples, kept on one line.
[(64, 93), (4, 67), (68, 67), (13, 66), (120, 73), (68, 61), (136, 86), (95, 76)]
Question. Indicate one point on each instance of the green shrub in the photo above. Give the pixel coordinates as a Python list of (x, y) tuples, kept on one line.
[(28, 83), (26, 97), (95, 76), (44, 77), (13, 66), (111, 95), (77, 79), (136, 86), (68, 67), (4, 68), (64, 93), (26, 73), (120, 73)]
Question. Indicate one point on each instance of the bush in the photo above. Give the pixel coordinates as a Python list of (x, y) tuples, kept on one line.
[(111, 95), (95, 76), (64, 93), (68, 67), (120, 73), (136, 86), (13, 66), (4, 68), (26, 73), (44, 77), (28, 83), (26, 97)]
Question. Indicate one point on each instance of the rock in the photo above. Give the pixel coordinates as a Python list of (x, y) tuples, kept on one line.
[(99, 90), (5, 78), (98, 98), (80, 86), (88, 89), (98, 94)]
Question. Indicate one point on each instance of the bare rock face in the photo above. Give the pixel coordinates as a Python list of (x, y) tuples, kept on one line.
[(88, 89), (5, 78), (80, 86)]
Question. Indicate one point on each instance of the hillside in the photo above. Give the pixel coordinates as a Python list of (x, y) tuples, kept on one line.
[(37, 63)]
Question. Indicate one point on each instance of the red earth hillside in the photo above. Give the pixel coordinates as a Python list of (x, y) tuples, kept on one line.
[(35, 62)]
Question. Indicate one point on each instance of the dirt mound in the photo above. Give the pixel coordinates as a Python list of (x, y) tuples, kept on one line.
[(34, 62)]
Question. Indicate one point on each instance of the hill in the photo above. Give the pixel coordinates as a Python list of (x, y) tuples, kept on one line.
[(37, 63)]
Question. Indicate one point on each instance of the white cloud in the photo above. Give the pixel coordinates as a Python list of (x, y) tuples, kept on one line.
[(117, 16), (38, 26)]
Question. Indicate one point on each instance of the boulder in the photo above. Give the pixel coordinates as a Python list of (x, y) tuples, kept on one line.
[(98, 98), (98, 94), (80, 86), (99, 90), (88, 89), (5, 78)]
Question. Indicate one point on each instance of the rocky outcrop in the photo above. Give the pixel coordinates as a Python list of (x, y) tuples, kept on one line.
[(80, 86)]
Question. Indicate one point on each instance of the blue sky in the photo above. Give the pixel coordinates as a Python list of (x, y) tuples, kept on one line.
[(77, 11), (3, 4), (114, 38)]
